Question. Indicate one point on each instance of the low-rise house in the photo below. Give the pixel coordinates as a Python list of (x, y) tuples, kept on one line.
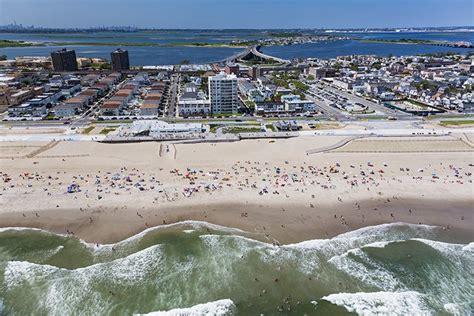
[(149, 109), (194, 107), (300, 106), (89, 80), (131, 86), (24, 109), (4, 103), (70, 90), (66, 110), (111, 108), (91, 93), (122, 100), (270, 108), (101, 88), (250, 91), (125, 93), (20, 97), (72, 106)]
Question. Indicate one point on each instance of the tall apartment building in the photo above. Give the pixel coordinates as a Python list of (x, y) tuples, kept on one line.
[(120, 60), (64, 60), (223, 92)]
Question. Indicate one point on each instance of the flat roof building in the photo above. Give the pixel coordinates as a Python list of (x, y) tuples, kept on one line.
[(64, 60), (120, 60), (149, 109), (223, 92)]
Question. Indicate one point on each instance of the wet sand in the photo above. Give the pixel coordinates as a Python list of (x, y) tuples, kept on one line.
[(282, 224)]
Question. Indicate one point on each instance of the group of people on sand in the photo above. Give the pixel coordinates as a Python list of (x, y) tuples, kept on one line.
[(262, 177), (285, 180)]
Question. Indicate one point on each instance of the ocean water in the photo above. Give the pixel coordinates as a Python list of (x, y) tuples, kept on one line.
[(195, 268), (148, 55)]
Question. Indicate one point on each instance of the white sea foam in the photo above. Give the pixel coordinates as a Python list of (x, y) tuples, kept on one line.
[(96, 246), (7, 229), (67, 290), (368, 234), (365, 270), (458, 309), (383, 228), (469, 247), (217, 308), (193, 224), (382, 303), (357, 263), (329, 248), (443, 247)]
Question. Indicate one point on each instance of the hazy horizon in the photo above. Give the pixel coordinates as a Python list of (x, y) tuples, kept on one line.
[(238, 14)]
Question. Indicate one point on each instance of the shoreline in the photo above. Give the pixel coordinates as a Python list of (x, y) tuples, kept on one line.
[(110, 225)]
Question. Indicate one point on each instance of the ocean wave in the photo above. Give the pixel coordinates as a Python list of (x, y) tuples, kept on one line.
[(183, 268), (95, 246), (458, 309), (136, 238), (370, 231), (382, 303), (358, 264), (397, 230), (402, 265), (448, 248), (217, 308), (60, 291)]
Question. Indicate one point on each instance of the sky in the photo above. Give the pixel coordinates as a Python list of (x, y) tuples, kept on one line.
[(218, 14)]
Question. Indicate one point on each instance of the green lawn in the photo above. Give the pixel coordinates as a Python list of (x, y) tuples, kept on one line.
[(7, 43), (270, 127), (239, 129), (107, 130), (457, 123), (434, 117), (88, 130), (213, 127)]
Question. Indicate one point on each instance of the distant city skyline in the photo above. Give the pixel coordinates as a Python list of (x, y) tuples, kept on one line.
[(219, 14)]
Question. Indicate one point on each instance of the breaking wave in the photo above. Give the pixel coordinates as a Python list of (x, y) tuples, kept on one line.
[(218, 308), (382, 303), (392, 268)]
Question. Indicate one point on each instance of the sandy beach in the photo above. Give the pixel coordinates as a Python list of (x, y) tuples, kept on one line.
[(270, 187)]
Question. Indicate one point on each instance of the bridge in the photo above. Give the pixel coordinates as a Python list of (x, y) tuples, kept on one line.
[(253, 53)]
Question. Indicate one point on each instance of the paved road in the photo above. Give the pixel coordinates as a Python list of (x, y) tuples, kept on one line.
[(393, 129), (388, 132), (171, 109), (86, 117)]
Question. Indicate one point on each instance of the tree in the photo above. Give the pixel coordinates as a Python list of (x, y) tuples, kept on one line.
[(105, 66), (377, 65)]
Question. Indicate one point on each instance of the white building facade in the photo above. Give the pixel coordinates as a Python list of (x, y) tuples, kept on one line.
[(194, 107), (223, 93)]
